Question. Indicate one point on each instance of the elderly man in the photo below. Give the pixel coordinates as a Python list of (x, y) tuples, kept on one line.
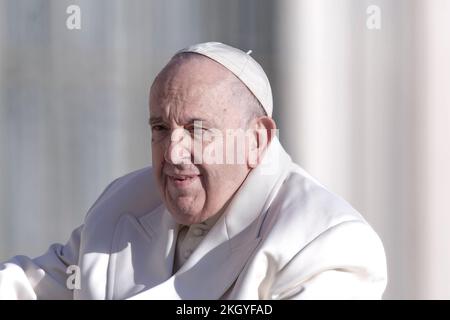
[(223, 213)]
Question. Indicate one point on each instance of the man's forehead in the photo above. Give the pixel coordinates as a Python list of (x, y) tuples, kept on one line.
[(193, 67), (193, 98), (184, 117), (198, 89), (192, 89), (182, 89)]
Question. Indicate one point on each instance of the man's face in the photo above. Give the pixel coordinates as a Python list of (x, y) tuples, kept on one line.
[(188, 101)]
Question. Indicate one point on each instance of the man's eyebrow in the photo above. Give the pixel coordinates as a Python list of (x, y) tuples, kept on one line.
[(193, 120), (153, 120)]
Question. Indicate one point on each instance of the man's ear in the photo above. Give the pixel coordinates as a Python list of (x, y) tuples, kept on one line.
[(262, 132)]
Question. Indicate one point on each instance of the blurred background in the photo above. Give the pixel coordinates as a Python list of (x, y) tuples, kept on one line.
[(361, 97)]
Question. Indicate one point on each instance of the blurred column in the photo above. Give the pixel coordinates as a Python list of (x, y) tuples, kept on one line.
[(5, 205), (435, 182), (347, 114)]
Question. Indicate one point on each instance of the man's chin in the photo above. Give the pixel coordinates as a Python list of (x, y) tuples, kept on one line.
[(184, 215)]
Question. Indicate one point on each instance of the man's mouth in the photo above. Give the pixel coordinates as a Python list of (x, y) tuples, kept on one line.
[(181, 181)]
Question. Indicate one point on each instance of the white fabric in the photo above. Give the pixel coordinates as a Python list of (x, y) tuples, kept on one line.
[(283, 236), (242, 65)]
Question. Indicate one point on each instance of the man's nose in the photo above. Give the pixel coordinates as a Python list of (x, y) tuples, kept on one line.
[(179, 149)]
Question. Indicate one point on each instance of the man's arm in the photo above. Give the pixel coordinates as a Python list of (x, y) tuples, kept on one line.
[(44, 277), (346, 261)]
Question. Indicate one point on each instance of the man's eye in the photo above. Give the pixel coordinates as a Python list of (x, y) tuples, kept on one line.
[(198, 132), (196, 128), (158, 128)]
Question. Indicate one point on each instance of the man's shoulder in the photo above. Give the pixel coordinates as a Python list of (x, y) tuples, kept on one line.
[(136, 178), (140, 178), (304, 209), (134, 193), (309, 201), (307, 220)]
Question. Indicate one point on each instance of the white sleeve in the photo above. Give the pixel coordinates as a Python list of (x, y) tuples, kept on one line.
[(346, 261), (46, 276), (43, 277)]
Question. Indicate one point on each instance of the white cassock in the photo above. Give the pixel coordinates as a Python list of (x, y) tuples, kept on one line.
[(283, 236)]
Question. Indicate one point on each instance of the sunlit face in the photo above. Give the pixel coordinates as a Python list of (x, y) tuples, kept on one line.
[(183, 94)]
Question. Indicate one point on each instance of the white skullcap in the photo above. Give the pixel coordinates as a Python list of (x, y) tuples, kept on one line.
[(242, 65)]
